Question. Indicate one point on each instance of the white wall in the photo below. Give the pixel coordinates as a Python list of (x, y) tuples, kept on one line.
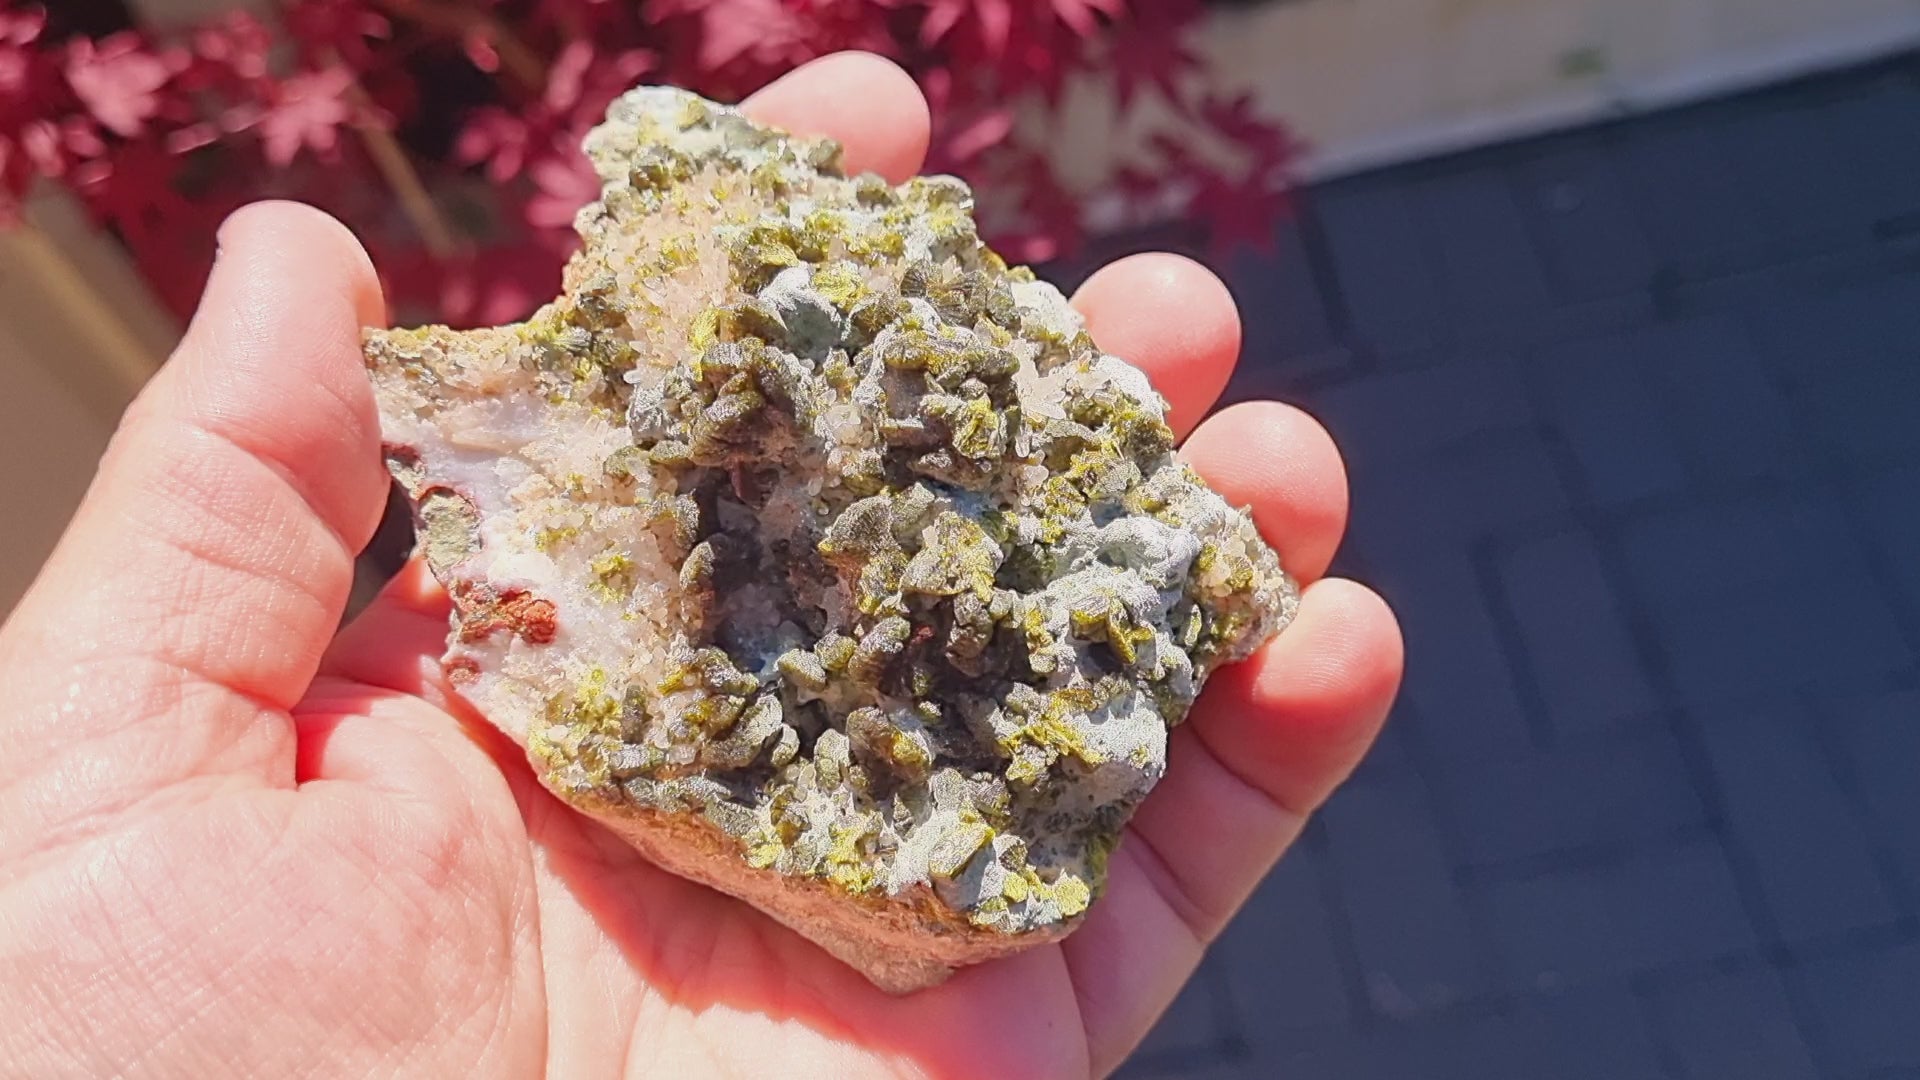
[(49, 442), (78, 336), (1374, 81)]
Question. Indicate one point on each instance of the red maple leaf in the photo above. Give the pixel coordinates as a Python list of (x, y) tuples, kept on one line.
[(938, 87), (1272, 147), (42, 148), (580, 83), (235, 46), (33, 95), (978, 135), (486, 287), (839, 25), (1149, 54), (133, 191), (659, 11), (480, 51), (118, 79), (988, 23), (564, 181), (1052, 211), (499, 137), (21, 66), (22, 27), (1176, 153), (1136, 183), (762, 30), (308, 112), (940, 18), (1040, 57), (611, 75), (67, 110), (1083, 16), (582, 80), (1243, 212), (567, 75), (330, 31)]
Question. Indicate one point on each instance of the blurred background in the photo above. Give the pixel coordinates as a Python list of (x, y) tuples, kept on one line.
[(1614, 306)]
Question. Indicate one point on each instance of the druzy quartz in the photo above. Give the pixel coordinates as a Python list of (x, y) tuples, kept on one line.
[(817, 552)]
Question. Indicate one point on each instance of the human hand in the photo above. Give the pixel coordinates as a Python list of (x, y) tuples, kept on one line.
[(234, 842)]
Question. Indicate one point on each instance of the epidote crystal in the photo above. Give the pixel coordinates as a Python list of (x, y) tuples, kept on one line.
[(817, 552)]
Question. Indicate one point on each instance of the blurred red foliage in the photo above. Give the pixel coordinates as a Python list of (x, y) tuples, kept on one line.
[(446, 132)]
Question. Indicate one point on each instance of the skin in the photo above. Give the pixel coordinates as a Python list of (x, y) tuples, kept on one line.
[(238, 843)]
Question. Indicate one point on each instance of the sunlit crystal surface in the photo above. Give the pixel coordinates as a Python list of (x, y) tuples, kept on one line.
[(818, 552)]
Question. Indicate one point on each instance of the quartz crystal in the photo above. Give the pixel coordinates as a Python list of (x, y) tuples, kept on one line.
[(817, 552)]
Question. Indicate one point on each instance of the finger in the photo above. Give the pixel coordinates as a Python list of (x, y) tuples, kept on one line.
[(396, 643), (1270, 739), (210, 561), (865, 102), (395, 646), (1173, 319), (422, 730), (1266, 744), (1281, 463)]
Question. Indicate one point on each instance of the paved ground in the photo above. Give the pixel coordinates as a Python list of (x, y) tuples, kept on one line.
[(1633, 416)]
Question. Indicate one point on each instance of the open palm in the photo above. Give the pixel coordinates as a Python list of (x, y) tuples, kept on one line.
[(232, 842)]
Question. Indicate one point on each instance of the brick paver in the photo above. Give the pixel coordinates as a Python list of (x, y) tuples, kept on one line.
[(1415, 944), (1281, 961), (1633, 415), (1862, 1005), (1728, 1024), (1586, 793), (1819, 875), (1575, 648)]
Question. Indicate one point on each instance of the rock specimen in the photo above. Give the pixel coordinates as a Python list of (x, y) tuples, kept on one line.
[(817, 552)]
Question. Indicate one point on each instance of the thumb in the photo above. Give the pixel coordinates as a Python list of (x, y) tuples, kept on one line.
[(188, 604)]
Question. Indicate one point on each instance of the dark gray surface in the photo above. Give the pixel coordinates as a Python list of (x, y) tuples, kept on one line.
[(1633, 418)]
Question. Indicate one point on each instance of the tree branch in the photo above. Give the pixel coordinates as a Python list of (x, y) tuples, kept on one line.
[(517, 59)]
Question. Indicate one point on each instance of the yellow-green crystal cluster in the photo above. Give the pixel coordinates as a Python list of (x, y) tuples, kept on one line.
[(850, 540)]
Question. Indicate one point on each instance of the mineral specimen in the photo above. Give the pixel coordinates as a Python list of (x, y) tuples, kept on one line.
[(815, 551)]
